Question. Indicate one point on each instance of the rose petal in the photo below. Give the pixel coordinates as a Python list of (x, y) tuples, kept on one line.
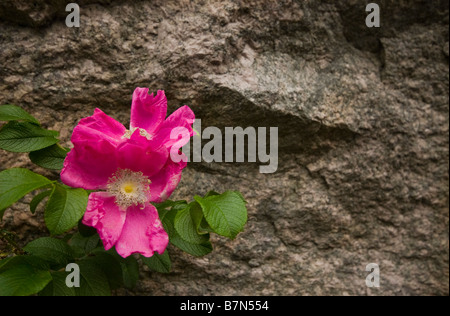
[(165, 182), (142, 233), (148, 111), (180, 122), (104, 125), (93, 160), (89, 164), (140, 154), (103, 214)]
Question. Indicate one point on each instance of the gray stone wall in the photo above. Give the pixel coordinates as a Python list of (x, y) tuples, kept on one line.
[(363, 117)]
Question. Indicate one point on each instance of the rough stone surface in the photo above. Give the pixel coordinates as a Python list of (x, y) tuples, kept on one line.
[(363, 117)]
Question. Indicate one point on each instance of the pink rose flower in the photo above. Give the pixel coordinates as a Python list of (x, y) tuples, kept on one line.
[(131, 168)]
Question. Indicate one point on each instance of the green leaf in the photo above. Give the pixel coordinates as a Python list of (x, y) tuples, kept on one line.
[(25, 137), (83, 245), (52, 250), (197, 250), (23, 275), (33, 261), (158, 263), (130, 272), (241, 196), (93, 281), (110, 266), (225, 213), (168, 204), (86, 231), (186, 228), (211, 193), (130, 268), (38, 199), (50, 158), (64, 208), (15, 183), (58, 287), (199, 220), (4, 261), (9, 112)]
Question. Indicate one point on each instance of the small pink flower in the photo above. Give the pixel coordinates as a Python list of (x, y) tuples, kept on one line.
[(131, 168)]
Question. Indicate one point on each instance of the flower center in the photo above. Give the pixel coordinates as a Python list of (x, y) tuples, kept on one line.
[(142, 132), (129, 188)]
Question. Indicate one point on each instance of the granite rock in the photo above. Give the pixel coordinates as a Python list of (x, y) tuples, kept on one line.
[(363, 118)]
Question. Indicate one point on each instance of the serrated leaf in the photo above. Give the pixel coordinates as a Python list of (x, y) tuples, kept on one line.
[(186, 228), (64, 208), (197, 250), (15, 183), (38, 199), (168, 204), (199, 220), (58, 287), (158, 263), (52, 250), (25, 137), (50, 158), (83, 245), (130, 268), (4, 261), (9, 112), (93, 281), (110, 266), (226, 214), (211, 193), (130, 272), (241, 196), (23, 275)]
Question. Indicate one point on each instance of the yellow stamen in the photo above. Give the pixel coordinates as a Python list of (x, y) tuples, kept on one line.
[(128, 188)]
